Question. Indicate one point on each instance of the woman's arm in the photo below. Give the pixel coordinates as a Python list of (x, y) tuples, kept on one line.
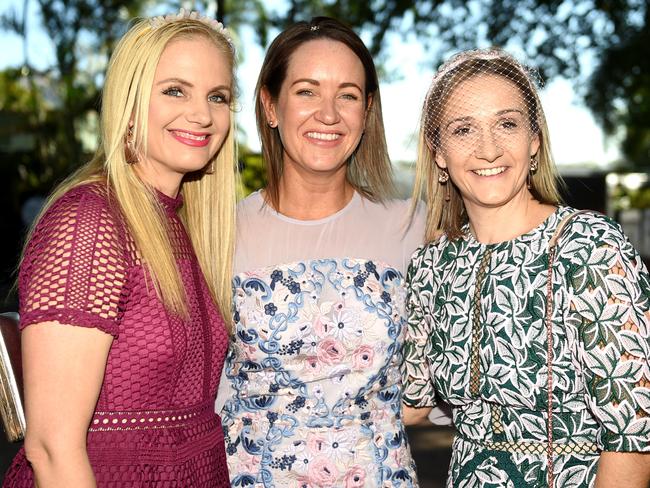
[(413, 416), (63, 373), (418, 395), (610, 307), (623, 470)]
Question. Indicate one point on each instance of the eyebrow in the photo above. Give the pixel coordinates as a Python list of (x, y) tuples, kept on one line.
[(347, 84), (469, 117), (181, 81), (508, 110)]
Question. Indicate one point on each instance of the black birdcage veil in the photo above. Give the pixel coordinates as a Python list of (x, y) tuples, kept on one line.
[(481, 103)]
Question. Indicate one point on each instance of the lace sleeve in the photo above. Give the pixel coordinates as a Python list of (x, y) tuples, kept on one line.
[(418, 384), (73, 270), (610, 297)]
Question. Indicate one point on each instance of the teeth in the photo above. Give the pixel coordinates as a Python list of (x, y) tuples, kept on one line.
[(187, 135), (323, 137), (490, 171)]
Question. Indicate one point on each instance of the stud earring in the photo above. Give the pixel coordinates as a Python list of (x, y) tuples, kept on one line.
[(272, 124)]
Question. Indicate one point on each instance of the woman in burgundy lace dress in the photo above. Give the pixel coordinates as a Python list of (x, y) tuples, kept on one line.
[(125, 279)]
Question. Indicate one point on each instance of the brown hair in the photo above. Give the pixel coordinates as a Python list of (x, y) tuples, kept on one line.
[(450, 216), (370, 170)]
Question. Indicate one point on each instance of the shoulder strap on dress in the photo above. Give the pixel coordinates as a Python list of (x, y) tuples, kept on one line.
[(552, 253), (560, 228)]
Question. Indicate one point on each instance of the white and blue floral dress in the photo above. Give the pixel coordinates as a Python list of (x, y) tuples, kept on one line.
[(314, 364)]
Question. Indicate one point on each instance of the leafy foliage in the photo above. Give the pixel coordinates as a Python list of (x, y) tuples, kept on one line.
[(603, 45)]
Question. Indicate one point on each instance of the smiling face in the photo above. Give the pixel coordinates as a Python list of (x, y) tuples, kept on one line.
[(486, 142), (320, 110), (189, 111)]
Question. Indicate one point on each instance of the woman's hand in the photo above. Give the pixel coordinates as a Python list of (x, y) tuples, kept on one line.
[(623, 470), (63, 372), (413, 416)]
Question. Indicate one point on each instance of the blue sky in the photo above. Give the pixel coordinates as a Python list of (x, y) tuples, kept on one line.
[(575, 137)]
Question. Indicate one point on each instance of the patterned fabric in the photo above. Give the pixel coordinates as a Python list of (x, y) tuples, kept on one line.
[(314, 368), (154, 424), (601, 344)]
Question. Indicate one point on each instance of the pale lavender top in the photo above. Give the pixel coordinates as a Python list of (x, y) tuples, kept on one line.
[(362, 229)]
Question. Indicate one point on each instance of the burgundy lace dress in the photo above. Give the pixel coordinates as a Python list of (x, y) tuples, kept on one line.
[(154, 423)]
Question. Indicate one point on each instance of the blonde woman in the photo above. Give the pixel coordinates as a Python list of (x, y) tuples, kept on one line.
[(530, 319), (125, 280)]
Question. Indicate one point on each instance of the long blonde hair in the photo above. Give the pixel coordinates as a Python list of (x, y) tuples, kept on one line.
[(449, 216), (209, 197)]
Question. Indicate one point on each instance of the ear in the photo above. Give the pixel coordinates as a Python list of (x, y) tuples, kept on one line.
[(534, 145), (269, 105), (440, 161)]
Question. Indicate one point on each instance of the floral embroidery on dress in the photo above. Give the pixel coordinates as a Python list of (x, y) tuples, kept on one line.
[(315, 369)]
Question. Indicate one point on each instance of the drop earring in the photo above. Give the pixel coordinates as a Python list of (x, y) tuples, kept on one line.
[(131, 154), (443, 179), (534, 164)]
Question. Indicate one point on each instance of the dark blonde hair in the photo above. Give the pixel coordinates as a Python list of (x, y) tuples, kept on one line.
[(370, 170), (450, 216)]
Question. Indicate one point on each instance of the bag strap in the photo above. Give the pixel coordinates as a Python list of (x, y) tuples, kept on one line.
[(552, 253)]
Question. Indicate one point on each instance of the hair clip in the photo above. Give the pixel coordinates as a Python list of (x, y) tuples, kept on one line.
[(313, 28), (157, 22)]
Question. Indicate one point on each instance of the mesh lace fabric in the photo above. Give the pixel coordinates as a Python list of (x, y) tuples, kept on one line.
[(457, 121), (154, 423)]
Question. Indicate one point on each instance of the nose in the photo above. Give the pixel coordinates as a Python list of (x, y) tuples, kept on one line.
[(198, 112), (488, 147), (327, 112)]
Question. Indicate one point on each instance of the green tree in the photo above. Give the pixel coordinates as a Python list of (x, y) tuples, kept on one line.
[(83, 33), (602, 45)]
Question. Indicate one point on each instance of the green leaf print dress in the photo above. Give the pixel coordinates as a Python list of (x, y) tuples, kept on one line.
[(476, 337)]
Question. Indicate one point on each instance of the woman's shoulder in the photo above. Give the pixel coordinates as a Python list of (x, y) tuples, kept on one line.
[(251, 206), (86, 196), (88, 207), (590, 224), (252, 200), (390, 206), (394, 213)]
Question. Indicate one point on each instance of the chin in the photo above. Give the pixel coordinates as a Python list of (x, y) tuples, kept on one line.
[(192, 166)]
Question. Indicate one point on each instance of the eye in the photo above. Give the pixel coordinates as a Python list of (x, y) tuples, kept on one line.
[(349, 96), (304, 92), (219, 98), (462, 131), (173, 91), (509, 124)]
